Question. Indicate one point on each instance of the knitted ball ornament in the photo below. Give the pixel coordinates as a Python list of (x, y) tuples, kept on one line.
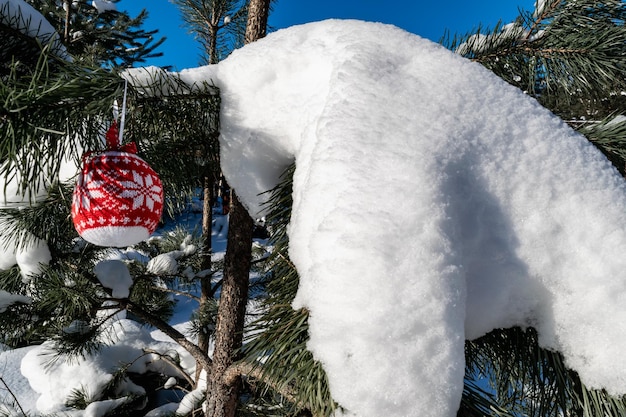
[(118, 198)]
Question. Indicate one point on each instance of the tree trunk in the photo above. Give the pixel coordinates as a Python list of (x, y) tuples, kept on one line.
[(222, 396), (258, 11), (212, 50), (205, 284)]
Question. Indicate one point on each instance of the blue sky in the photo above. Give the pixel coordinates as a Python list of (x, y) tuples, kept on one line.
[(427, 18)]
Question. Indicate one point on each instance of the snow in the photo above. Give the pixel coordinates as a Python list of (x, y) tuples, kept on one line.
[(103, 6), (194, 397), (170, 383), (7, 299), (114, 274), (163, 264), (432, 203), (30, 257), (167, 263), (91, 373), (18, 384), (480, 42)]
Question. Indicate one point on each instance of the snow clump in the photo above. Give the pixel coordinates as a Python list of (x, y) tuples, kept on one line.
[(432, 202)]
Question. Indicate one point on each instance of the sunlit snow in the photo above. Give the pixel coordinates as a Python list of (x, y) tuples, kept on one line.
[(114, 274), (103, 6), (124, 344), (432, 203)]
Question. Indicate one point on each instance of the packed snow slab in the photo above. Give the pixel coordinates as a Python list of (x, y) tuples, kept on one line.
[(432, 203)]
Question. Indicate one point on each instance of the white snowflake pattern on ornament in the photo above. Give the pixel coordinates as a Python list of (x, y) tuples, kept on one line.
[(143, 191)]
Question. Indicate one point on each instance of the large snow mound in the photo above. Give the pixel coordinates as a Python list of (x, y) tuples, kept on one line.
[(432, 203)]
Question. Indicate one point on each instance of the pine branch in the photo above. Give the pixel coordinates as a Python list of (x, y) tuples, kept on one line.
[(174, 364), (569, 50), (237, 370), (201, 357), (42, 110)]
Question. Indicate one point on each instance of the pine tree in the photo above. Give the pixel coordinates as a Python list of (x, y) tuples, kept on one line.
[(218, 25), (223, 395), (46, 104), (569, 55), (96, 33), (532, 54), (163, 120)]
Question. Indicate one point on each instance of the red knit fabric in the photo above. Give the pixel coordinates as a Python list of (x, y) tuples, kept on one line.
[(118, 199)]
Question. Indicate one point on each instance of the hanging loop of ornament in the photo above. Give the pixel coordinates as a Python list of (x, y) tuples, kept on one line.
[(115, 135)]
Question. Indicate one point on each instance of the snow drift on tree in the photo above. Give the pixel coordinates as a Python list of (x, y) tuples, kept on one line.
[(432, 203)]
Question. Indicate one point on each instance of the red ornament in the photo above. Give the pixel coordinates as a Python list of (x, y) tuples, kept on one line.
[(118, 199)]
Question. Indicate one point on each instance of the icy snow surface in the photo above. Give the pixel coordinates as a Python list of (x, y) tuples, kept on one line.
[(432, 203)]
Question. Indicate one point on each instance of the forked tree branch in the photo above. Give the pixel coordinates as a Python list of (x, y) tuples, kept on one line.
[(201, 357)]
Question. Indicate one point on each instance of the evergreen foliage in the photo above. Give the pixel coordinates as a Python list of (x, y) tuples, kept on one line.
[(100, 37), (43, 107), (219, 25), (177, 131), (569, 55)]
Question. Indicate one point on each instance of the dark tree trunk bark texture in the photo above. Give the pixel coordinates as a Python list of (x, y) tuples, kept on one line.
[(222, 396)]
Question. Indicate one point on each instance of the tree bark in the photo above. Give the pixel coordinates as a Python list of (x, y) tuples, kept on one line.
[(205, 283), (223, 393), (258, 12)]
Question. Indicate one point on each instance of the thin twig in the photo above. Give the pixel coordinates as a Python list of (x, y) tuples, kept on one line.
[(17, 403), (176, 292), (544, 14)]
